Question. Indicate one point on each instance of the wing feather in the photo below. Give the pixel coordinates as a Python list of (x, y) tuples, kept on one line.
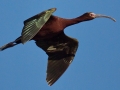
[(34, 24), (61, 50)]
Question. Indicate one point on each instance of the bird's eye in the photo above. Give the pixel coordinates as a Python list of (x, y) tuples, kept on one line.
[(92, 15)]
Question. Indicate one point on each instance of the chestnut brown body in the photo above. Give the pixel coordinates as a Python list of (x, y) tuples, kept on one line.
[(48, 32)]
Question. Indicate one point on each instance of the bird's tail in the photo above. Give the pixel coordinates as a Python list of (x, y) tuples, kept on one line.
[(11, 44)]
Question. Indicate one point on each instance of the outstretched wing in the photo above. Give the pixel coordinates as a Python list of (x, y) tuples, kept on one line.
[(34, 24), (61, 50)]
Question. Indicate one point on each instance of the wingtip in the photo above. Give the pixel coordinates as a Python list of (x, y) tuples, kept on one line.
[(52, 9), (50, 84)]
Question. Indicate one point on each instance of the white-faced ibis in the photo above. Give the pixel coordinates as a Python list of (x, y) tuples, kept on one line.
[(48, 32)]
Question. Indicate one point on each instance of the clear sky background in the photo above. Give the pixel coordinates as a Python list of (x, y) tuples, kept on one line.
[(97, 62)]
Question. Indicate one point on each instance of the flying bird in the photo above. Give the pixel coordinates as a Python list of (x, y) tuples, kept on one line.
[(47, 31)]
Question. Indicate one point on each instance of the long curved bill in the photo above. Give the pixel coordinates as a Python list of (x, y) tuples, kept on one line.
[(104, 16)]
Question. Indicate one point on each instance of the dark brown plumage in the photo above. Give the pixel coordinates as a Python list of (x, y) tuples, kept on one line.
[(48, 32)]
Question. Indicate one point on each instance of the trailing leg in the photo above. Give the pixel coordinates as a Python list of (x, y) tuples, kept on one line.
[(11, 44)]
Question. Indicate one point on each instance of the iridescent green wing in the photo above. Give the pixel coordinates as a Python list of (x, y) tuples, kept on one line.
[(34, 24)]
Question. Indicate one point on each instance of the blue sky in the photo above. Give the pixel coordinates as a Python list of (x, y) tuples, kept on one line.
[(97, 62)]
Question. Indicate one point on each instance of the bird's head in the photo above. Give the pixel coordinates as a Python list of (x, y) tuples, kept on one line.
[(91, 15)]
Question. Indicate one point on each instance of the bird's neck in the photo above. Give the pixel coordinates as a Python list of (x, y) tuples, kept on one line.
[(69, 22)]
